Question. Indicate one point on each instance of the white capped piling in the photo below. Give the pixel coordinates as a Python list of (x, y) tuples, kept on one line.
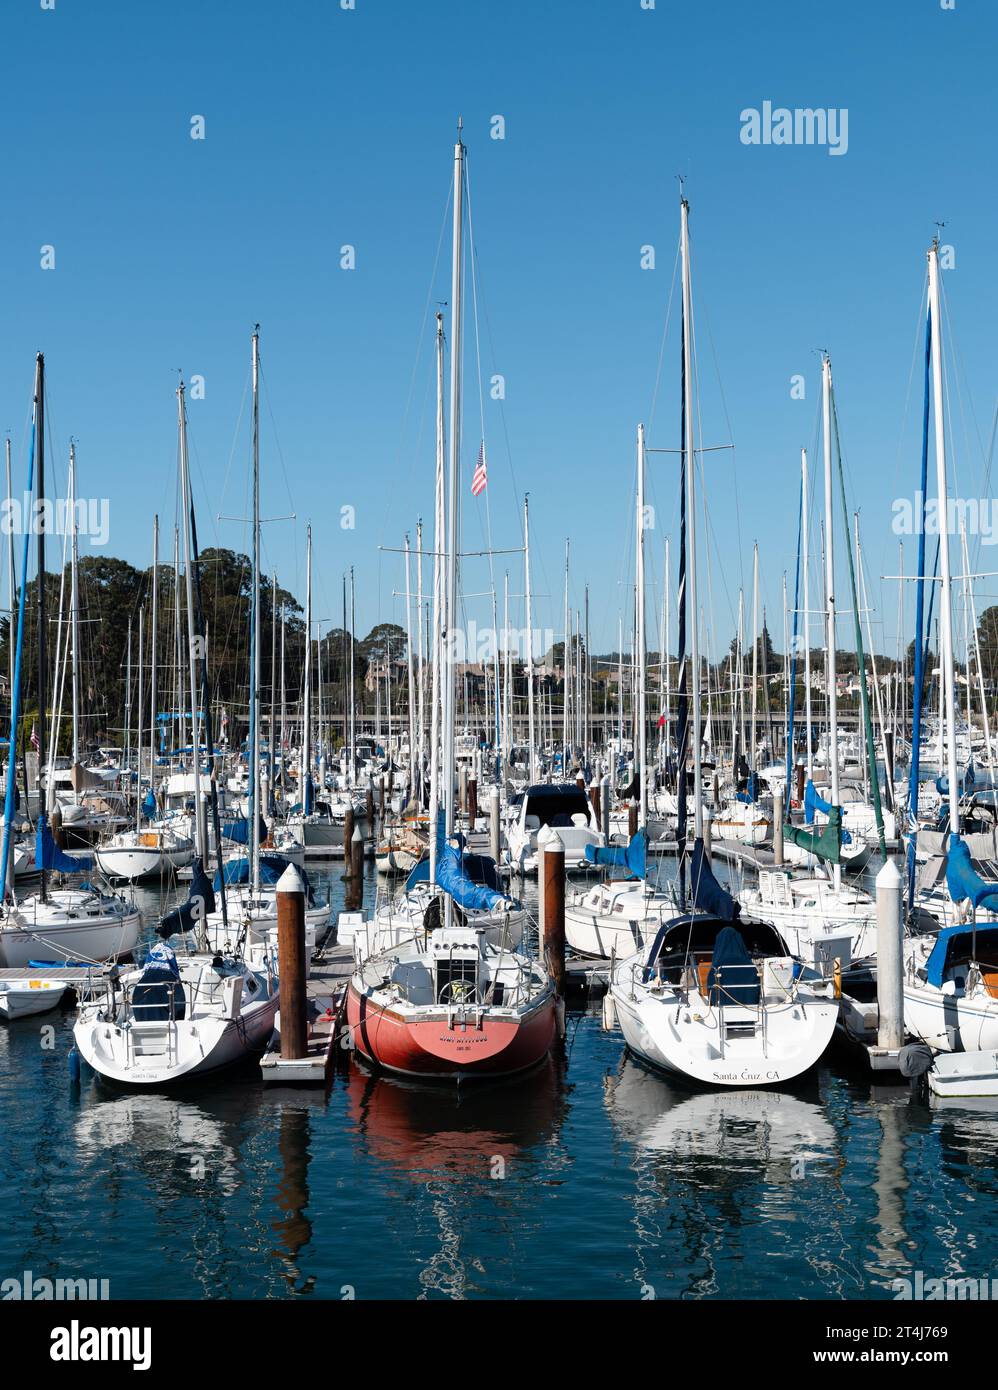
[(604, 797), (890, 965), (777, 833)]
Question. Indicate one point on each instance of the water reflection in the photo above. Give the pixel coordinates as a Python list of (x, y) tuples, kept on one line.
[(460, 1155)]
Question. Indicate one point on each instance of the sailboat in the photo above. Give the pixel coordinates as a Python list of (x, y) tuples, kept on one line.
[(716, 999), (445, 1002), (182, 1014), (951, 979), (52, 924)]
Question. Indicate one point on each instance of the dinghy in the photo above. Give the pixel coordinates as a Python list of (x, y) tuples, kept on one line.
[(34, 995)]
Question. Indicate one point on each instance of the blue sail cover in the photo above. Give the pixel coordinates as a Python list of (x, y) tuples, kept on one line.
[(237, 831), (48, 855), (813, 802), (964, 882), (453, 880), (149, 805), (630, 857), (456, 874), (200, 899), (708, 895)]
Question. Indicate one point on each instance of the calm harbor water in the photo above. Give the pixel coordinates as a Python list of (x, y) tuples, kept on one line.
[(591, 1178)]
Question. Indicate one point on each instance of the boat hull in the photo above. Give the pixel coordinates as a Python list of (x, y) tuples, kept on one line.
[(97, 939), (429, 1045)]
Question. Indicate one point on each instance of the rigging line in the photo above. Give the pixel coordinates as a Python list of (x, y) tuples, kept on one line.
[(473, 264), (232, 448), (420, 348), (665, 334), (273, 425), (724, 409), (957, 361)]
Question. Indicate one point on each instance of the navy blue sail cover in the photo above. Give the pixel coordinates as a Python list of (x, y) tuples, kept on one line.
[(200, 900), (708, 895), (48, 855)]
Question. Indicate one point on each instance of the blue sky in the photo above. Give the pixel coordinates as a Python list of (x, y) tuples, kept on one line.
[(326, 127)]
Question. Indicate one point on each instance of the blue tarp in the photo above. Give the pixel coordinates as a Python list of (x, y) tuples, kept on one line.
[(630, 857), (708, 895), (271, 867), (200, 899), (952, 941), (48, 855)]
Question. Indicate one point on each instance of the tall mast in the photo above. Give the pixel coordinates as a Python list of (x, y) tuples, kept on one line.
[(254, 770), (565, 677), (833, 703), (641, 638), (755, 652), (153, 683), (11, 586), (138, 727), (353, 688), (530, 641), (42, 632), (273, 689), (436, 653), (306, 719), (945, 597), (201, 838), (408, 648), (74, 612), (453, 480), (806, 615), (688, 447), (420, 652)]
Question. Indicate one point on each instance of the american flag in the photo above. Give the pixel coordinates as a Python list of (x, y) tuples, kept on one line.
[(481, 476), (34, 738)]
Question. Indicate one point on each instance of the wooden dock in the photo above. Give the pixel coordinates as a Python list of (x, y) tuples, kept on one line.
[(325, 988)]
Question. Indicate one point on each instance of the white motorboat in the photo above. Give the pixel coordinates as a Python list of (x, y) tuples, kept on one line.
[(565, 808), (745, 822), (175, 1017), (616, 918)]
